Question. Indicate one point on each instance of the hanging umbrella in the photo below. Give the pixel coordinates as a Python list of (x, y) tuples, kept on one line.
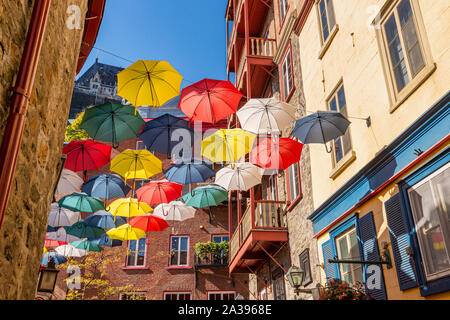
[(148, 223), (45, 250), (157, 134), (81, 202), (265, 116), (70, 251), (174, 211), (136, 164), (69, 182), (191, 172), (52, 229), (149, 83), (50, 243), (207, 196), (61, 235), (106, 186), (126, 232), (105, 240), (57, 258), (86, 245), (82, 230), (85, 155), (104, 220), (227, 145), (241, 178), (128, 207), (277, 153), (209, 100), (61, 217), (112, 122), (321, 127), (156, 192)]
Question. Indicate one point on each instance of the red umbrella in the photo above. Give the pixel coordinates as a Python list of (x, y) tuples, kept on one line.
[(84, 155), (277, 153), (209, 100), (156, 192), (53, 243), (148, 223)]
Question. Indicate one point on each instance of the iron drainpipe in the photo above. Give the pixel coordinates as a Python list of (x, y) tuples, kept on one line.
[(20, 100)]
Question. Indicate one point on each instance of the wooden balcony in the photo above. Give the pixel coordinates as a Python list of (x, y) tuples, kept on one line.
[(261, 231)]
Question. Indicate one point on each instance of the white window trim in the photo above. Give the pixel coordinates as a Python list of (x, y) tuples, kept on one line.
[(284, 74), (136, 254), (179, 251), (178, 294), (221, 293), (346, 234)]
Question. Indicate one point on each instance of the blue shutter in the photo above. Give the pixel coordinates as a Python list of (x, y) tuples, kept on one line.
[(370, 252), (400, 240), (327, 251)]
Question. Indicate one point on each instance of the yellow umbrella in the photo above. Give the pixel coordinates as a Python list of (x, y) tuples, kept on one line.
[(227, 145), (128, 207), (149, 83), (136, 164), (126, 232), (45, 250)]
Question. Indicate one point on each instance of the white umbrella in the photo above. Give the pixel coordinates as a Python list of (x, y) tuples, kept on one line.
[(61, 235), (240, 178), (61, 217), (265, 116), (70, 251), (69, 182), (176, 211)]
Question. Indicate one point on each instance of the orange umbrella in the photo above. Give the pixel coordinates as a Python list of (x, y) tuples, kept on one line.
[(148, 222), (156, 192)]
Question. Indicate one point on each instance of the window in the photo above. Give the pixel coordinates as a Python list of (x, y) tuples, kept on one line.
[(430, 206), (136, 253), (283, 10), (342, 145), (223, 295), (287, 76), (272, 193), (294, 182), (278, 285), (219, 238), (177, 296), (327, 19), (179, 250), (306, 267), (133, 296), (348, 249)]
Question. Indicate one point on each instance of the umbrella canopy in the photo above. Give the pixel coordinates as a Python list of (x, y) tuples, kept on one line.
[(105, 240), (240, 178), (104, 220), (207, 196), (136, 164), (84, 155), (68, 182), (86, 245), (126, 232), (174, 211), (148, 223), (265, 116), (209, 100), (157, 134), (128, 207), (81, 202), (227, 145), (70, 251), (112, 122), (149, 83), (320, 127), (191, 172), (106, 186), (82, 230), (52, 229), (156, 192), (61, 217), (50, 243), (57, 258), (61, 235), (277, 153)]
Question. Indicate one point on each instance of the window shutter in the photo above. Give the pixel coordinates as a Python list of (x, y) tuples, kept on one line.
[(327, 251), (370, 252), (400, 240)]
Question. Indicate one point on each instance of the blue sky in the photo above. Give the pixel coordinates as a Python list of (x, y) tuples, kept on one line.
[(191, 35)]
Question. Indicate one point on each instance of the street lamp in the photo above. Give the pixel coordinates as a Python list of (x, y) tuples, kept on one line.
[(47, 280), (295, 277)]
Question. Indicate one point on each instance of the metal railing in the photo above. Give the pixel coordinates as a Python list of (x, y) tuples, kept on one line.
[(211, 260)]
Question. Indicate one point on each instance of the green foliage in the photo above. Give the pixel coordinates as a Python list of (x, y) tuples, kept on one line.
[(74, 132), (218, 249), (339, 290)]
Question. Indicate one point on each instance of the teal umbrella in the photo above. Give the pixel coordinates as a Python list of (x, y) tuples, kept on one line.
[(83, 231), (207, 196), (112, 122), (86, 245), (81, 202)]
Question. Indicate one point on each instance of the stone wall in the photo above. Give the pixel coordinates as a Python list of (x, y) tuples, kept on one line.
[(23, 231)]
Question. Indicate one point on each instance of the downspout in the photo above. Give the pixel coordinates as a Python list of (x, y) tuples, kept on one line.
[(20, 101)]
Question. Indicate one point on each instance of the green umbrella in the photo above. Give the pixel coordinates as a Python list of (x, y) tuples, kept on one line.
[(112, 122), (207, 196), (86, 245), (81, 202), (81, 230)]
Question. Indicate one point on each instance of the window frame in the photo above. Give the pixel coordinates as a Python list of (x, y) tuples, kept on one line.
[(346, 235), (133, 294), (282, 20), (293, 202), (398, 97), (165, 293), (289, 95), (144, 265), (221, 292), (330, 30), (170, 265)]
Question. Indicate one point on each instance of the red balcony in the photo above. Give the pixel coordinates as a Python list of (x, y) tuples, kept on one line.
[(261, 233)]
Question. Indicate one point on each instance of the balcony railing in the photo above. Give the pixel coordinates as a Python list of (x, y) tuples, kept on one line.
[(262, 47), (211, 260)]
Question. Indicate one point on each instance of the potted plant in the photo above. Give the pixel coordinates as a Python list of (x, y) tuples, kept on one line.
[(337, 289), (218, 250)]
